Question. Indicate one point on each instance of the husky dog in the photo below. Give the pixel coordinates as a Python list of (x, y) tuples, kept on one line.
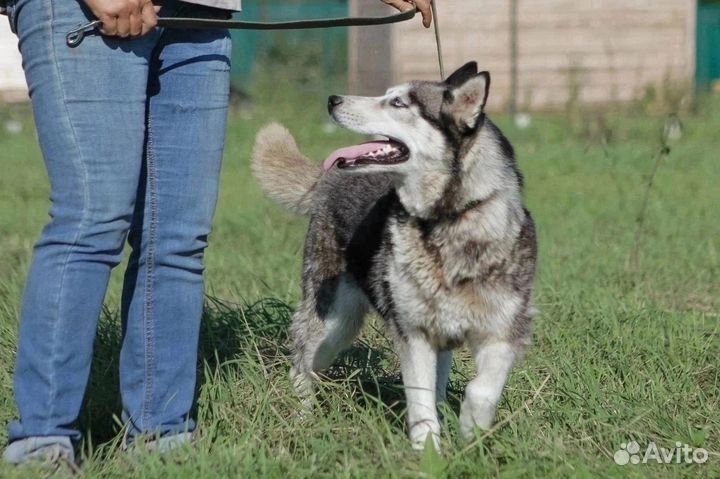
[(427, 227)]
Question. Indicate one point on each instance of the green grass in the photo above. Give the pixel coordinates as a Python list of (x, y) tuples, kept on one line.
[(623, 350)]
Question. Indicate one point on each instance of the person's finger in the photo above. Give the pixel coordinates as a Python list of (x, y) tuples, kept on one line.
[(150, 10), (149, 17), (123, 26), (422, 5), (109, 25), (426, 10), (401, 5), (136, 24)]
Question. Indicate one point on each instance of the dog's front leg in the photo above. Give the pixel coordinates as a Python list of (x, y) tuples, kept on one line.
[(494, 360), (418, 362)]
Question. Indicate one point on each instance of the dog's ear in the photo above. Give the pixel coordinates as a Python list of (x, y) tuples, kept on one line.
[(468, 100), (462, 74)]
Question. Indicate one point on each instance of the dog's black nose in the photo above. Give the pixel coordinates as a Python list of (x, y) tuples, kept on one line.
[(334, 101)]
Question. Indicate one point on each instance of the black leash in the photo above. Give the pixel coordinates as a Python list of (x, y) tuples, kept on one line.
[(438, 45), (75, 37)]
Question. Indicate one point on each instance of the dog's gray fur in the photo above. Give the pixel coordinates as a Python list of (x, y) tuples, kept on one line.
[(439, 245)]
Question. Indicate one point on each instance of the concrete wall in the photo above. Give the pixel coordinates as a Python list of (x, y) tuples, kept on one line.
[(607, 50), (370, 55), (12, 79)]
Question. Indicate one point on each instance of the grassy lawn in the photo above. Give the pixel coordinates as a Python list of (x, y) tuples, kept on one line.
[(626, 346)]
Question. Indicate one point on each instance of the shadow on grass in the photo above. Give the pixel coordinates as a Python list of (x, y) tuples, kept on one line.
[(372, 373), (368, 373), (227, 331)]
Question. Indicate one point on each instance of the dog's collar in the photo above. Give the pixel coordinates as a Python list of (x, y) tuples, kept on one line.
[(456, 214), (471, 205)]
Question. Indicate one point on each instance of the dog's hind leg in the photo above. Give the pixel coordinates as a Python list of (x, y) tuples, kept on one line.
[(323, 327), (418, 363), (494, 360)]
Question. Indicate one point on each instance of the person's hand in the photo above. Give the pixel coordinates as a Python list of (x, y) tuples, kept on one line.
[(124, 18), (422, 5)]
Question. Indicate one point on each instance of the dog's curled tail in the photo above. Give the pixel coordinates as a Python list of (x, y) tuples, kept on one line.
[(285, 175)]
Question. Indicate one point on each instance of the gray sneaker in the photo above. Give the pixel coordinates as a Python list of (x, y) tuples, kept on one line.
[(161, 445), (41, 449)]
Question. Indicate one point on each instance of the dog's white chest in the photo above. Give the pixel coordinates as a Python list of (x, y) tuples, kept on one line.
[(426, 300)]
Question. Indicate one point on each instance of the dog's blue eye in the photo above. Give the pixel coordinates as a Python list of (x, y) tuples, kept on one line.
[(397, 103)]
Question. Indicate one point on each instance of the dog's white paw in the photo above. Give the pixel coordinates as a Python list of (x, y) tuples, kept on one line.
[(477, 412), (303, 385), (421, 431)]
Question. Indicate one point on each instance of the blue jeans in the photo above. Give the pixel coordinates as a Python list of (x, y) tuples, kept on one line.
[(132, 135)]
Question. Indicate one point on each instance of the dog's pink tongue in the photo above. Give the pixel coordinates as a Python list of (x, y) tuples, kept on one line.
[(353, 152)]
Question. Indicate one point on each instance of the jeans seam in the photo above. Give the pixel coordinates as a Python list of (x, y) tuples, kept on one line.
[(148, 323), (83, 217)]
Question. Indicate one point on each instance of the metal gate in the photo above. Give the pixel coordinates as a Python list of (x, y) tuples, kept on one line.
[(324, 50), (708, 45)]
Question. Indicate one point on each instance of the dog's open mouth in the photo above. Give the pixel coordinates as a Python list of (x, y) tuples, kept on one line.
[(387, 152)]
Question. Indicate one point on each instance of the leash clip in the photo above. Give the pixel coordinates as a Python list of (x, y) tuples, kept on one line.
[(75, 37)]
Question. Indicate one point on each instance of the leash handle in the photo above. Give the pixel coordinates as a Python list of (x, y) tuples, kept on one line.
[(75, 37)]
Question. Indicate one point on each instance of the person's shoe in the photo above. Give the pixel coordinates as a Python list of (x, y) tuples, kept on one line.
[(54, 450), (161, 445)]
